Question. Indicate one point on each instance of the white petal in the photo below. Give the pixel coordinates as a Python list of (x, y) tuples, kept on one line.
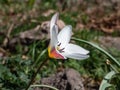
[(56, 29), (53, 30), (72, 48), (65, 35), (76, 56), (54, 20), (53, 37), (75, 52), (53, 26)]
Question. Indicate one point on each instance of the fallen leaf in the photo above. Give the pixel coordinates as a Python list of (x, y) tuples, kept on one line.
[(46, 25), (109, 41), (48, 12)]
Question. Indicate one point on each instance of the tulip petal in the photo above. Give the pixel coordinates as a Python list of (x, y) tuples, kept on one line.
[(76, 49), (54, 20), (54, 39), (65, 35), (77, 56), (54, 54), (53, 30), (75, 52)]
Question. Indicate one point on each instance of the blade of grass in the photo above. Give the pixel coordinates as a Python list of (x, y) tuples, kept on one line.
[(33, 51), (35, 74), (100, 49), (38, 69), (38, 58), (105, 82), (43, 86)]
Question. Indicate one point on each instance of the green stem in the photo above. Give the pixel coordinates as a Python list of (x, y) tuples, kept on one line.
[(44, 86), (100, 49), (114, 68), (40, 56), (35, 74)]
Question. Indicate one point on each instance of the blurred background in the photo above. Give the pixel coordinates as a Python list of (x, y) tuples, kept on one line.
[(24, 36)]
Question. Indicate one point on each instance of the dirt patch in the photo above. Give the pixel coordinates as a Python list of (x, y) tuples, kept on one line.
[(68, 79), (110, 42), (108, 24)]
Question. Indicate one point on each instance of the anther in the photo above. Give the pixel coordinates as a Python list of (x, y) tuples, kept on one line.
[(59, 44), (61, 50)]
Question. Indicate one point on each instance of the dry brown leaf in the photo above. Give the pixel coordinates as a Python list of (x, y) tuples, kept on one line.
[(109, 41), (3, 53), (28, 36), (80, 26), (46, 25), (24, 57), (48, 13), (32, 34), (108, 24), (107, 30)]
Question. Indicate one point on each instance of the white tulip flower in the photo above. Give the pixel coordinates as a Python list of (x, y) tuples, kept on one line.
[(59, 46)]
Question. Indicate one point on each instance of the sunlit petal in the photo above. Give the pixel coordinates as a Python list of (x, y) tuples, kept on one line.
[(75, 52), (53, 38), (53, 31), (65, 35), (76, 56), (76, 49), (54, 20)]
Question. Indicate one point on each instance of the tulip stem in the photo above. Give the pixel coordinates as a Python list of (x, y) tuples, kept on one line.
[(100, 49), (35, 74)]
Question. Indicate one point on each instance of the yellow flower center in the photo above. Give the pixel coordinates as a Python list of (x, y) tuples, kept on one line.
[(58, 48)]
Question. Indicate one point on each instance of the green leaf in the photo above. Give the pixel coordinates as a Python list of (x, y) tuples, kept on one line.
[(47, 86), (105, 83), (100, 49), (31, 3), (39, 57)]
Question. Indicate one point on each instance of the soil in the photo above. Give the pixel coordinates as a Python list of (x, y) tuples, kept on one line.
[(68, 79), (109, 42)]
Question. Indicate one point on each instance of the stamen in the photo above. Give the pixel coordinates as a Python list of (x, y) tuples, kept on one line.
[(61, 50), (58, 48), (59, 44)]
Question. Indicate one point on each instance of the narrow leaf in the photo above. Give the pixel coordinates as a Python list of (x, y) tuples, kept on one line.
[(105, 82)]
